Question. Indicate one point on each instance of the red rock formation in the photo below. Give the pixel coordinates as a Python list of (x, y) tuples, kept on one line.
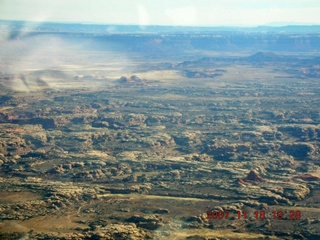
[(240, 181), (307, 177), (252, 176), (133, 80)]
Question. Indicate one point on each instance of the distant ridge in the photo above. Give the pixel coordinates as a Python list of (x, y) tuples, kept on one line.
[(131, 28), (265, 57)]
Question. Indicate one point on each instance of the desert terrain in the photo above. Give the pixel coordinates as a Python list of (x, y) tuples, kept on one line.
[(162, 134)]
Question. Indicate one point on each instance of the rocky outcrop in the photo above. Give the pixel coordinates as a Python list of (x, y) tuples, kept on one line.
[(161, 211), (111, 232), (131, 81), (308, 177), (201, 74), (123, 231), (199, 221), (100, 124), (46, 123), (150, 222), (298, 150), (252, 177)]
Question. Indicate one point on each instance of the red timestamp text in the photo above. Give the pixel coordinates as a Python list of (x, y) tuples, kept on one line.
[(258, 215), (217, 214)]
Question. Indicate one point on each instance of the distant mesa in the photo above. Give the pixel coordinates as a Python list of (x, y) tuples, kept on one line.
[(307, 177), (252, 177), (265, 57), (133, 80), (201, 61), (202, 73)]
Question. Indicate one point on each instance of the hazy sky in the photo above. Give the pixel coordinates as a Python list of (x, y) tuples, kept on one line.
[(165, 12)]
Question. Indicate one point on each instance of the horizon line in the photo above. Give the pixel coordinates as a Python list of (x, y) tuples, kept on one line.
[(273, 25)]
